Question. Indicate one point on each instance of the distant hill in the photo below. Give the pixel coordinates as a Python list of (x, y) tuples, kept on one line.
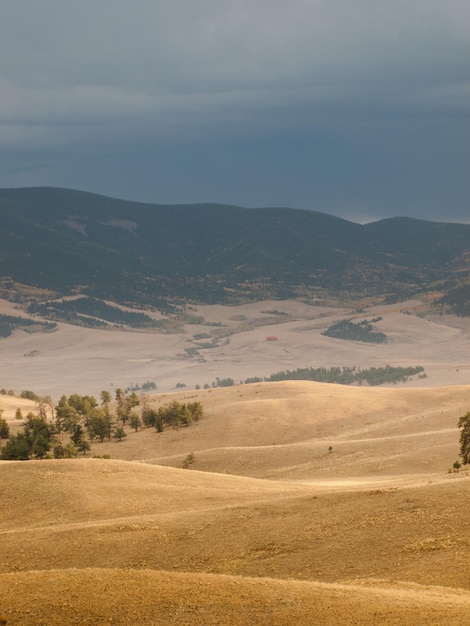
[(69, 241)]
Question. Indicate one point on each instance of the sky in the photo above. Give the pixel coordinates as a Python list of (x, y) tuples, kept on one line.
[(356, 108)]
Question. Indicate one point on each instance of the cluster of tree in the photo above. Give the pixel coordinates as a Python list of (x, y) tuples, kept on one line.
[(77, 421), (8, 323), (34, 440), (360, 331), (147, 386), (218, 382), (175, 414), (346, 375), (93, 312)]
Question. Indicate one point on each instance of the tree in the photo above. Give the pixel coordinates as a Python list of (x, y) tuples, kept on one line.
[(16, 448), (134, 421), (38, 432), (66, 416), (35, 439), (464, 425), (105, 399), (99, 425), (4, 428), (77, 434), (196, 410), (70, 450), (119, 433), (149, 417), (58, 451), (82, 404), (125, 406), (83, 446)]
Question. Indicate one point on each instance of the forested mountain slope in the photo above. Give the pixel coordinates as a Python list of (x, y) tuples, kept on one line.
[(67, 240)]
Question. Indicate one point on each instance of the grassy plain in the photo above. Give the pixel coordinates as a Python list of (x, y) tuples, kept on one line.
[(83, 360)]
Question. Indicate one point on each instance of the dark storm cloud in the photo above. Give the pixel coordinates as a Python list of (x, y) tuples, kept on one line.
[(355, 108)]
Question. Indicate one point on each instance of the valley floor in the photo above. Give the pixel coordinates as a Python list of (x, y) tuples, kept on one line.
[(253, 340)]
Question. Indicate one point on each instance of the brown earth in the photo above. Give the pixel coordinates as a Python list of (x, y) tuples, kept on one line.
[(306, 503)]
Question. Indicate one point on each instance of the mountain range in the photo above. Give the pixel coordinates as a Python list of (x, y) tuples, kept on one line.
[(70, 241)]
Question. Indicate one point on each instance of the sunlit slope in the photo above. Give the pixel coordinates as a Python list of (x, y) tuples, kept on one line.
[(285, 430), (9, 405), (372, 531), (55, 493), (114, 514), (123, 597)]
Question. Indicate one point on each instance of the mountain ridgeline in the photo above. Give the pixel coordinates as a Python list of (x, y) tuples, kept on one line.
[(70, 241)]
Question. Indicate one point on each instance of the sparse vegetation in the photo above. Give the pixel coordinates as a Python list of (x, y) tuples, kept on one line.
[(189, 460)]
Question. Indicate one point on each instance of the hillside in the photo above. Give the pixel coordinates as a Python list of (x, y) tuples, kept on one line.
[(372, 531), (156, 255), (283, 431)]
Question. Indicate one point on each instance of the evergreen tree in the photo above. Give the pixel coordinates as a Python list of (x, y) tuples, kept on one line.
[(134, 421), (119, 433), (464, 425), (4, 428)]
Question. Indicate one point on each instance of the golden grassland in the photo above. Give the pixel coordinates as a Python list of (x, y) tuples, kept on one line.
[(306, 504)]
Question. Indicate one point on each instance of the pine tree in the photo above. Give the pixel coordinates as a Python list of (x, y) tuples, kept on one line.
[(464, 425)]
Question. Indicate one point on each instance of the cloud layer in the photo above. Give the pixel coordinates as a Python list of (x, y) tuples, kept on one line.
[(356, 108)]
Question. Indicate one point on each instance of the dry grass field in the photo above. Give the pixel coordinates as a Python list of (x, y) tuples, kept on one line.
[(257, 531), (306, 503), (83, 360)]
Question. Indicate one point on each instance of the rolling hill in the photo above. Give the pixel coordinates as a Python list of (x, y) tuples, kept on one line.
[(374, 531)]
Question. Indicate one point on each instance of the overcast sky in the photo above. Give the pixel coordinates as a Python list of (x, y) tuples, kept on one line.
[(357, 108)]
